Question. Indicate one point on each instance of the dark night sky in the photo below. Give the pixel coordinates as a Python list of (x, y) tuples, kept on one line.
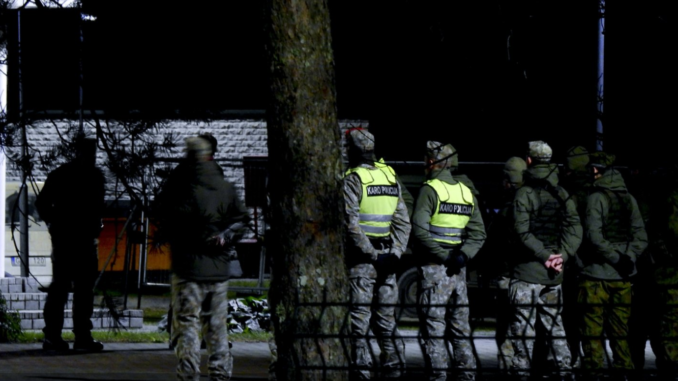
[(417, 70)]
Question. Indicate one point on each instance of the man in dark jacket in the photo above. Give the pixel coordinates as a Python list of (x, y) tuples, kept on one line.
[(549, 230), (202, 219), (617, 236), (72, 204), (449, 231)]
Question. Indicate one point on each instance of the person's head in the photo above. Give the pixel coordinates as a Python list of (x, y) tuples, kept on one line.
[(577, 159), (360, 146), (513, 172), (599, 162), (440, 156), (86, 150), (198, 149), (211, 139), (538, 152)]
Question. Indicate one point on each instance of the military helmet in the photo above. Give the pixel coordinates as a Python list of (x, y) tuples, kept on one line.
[(513, 170), (539, 151), (360, 139), (439, 152)]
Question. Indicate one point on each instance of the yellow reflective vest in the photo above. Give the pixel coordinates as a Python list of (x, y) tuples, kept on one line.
[(379, 199), (453, 211)]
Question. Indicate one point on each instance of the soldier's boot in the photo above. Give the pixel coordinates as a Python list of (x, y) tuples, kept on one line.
[(55, 343)]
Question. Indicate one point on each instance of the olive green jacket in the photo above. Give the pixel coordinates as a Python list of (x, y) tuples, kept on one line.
[(528, 261), (601, 256), (425, 207)]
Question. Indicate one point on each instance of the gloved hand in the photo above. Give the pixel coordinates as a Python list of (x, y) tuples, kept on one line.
[(387, 263), (625, 266), (456, 260)]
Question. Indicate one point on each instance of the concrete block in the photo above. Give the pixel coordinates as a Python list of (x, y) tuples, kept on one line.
[(68, 323), (26, 323), (134, 313), (136, 322), (15, 288), (4, 288), (17, 305), (38, 323), (96, 322), (32, 304)]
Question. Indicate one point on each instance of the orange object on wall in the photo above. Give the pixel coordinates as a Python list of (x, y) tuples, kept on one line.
[(157, 259)]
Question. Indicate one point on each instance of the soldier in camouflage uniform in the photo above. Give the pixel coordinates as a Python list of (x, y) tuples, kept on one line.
[(502, 238), (663, 234), (577, 181), (378, 228), (203, 218), (549, 230), (449, 231), (617, 236)]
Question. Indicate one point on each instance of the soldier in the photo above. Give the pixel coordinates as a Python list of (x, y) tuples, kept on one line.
[(378, 228), (664, 251), (616, 232), (502, 239), (72, 204), (449, 231), (203, 219), (549, 230), (577, 181)]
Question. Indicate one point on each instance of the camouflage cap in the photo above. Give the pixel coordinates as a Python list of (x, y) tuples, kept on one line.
[(360, 139), (513, 170), (198, 147), (577, 158), (439, 152), (539, 151), (601, 159)]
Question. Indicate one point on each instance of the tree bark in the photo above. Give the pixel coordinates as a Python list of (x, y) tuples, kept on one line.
[(309, 290)]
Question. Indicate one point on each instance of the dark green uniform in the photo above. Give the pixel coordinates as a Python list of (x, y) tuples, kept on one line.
[(546, 222), (616, 233)]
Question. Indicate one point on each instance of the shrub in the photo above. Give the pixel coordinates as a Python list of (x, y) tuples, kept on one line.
[(10, 323)]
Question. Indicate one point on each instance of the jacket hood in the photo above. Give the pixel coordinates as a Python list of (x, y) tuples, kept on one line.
[(542, 172), (611, 179)]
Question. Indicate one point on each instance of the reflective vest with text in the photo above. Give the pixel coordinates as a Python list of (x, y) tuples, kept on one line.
[(453, 211), (379, 199)]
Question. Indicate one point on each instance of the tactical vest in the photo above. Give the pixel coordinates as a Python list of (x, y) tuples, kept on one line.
[(616, 227), (546, 221), (452, 213), (379, 199)]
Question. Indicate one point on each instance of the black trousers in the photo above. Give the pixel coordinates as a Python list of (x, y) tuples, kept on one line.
[(74, 267)]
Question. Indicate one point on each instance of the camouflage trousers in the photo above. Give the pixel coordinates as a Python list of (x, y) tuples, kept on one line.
[(606, 308), (444, 315), (502, 336), (200, 307), (369, 294), (537, 305), (668, 327)]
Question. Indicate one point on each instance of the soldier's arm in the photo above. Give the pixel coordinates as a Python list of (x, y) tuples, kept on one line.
[(407, 198), (597, 208), (475, 232), (640, 239), (400, 227), (522, 210), (572, 230), (352, 194), (423, 210)]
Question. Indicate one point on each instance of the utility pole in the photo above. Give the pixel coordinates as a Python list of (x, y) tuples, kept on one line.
[(23, 190), (601, 75)]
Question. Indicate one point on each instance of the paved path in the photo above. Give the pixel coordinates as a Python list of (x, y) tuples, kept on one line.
[(152, 362)]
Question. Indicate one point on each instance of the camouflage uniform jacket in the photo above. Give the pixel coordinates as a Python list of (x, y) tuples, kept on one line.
[(605, 254), (424, 209), (528, 263), (358, 242)]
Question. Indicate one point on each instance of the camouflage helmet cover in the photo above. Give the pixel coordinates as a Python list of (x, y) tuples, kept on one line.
[(439, 152), (513, 170), (539, 151), (577, 158), (360, 139), (601, 159)]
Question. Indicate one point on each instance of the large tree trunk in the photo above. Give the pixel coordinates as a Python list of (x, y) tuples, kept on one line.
[(309, 292)]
